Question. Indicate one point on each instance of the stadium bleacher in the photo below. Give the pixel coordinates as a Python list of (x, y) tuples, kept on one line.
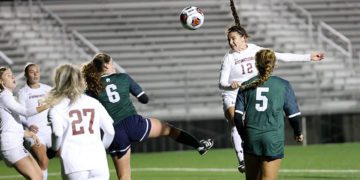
[(346, 19), (36, 38), (150, 42), (179, 68)]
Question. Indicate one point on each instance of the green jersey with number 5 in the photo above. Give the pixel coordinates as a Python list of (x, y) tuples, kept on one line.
[(116, 95), (264, 109)]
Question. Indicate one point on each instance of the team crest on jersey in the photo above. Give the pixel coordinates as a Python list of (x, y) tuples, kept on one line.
[(238, 61), (107, 79)]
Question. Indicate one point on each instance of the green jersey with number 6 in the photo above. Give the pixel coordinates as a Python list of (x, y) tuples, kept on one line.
[(264, 109), (116, 95)]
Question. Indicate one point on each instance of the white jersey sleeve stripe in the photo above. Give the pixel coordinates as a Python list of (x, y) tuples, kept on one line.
[(239, 112), (293, 115), (140, 94)]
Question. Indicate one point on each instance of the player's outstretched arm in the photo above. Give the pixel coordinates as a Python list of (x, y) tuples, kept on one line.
[(290, 57)]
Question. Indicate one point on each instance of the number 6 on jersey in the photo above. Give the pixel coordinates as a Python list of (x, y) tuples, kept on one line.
[(112, 94)]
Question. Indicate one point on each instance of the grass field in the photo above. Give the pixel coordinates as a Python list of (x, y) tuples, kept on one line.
[(330, 161)]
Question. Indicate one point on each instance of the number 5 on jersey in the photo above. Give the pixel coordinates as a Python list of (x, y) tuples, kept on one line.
[(262, 106)]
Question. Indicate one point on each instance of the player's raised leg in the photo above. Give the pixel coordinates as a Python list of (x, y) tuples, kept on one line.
[(159, 128)]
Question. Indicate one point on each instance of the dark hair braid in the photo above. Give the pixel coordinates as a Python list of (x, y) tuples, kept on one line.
[(237, 27), (234, 13)]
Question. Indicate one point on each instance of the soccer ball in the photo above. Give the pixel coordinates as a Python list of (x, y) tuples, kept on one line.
[(192, 17)]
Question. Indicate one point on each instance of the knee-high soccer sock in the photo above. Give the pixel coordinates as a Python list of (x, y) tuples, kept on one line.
[(236, 140), (186, 138), (45, 174)]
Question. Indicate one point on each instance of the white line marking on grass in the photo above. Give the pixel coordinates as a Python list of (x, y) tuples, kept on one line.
[(319, 170), (183, 169), (235, 170), (158, 169)]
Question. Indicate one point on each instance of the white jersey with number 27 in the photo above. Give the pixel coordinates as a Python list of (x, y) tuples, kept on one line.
[(76, 127)]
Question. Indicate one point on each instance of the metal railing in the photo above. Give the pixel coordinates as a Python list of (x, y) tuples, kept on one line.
[(93, 49), (84, 46), (63, 29), (10, 62), (330, 40), (6, 58), (303, 12)]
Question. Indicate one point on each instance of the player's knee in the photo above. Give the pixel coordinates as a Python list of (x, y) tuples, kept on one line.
[(157, 128), (164, 128), (43, 161), (44, 164)]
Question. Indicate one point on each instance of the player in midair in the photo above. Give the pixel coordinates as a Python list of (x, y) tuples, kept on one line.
[(263, 100), (112, 90), (12, 130), (238, 66), (31, 95), (76, 120)]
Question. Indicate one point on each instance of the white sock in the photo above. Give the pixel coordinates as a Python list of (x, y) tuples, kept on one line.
[(236, 139), (45, 174)]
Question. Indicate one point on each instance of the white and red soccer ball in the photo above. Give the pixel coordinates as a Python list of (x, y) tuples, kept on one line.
[(192, 17)]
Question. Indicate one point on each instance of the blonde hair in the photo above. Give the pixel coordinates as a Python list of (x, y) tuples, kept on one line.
[(265, 62), (68, 82)]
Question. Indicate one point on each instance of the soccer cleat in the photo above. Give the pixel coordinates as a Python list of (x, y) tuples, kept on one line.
[(205, 146), (241, 167)]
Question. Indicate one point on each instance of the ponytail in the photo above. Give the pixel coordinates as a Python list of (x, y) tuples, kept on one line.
[(234, 13), (237, 27), (92, 79)]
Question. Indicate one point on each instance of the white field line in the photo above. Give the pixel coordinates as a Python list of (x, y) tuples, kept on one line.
[(212, 170)]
